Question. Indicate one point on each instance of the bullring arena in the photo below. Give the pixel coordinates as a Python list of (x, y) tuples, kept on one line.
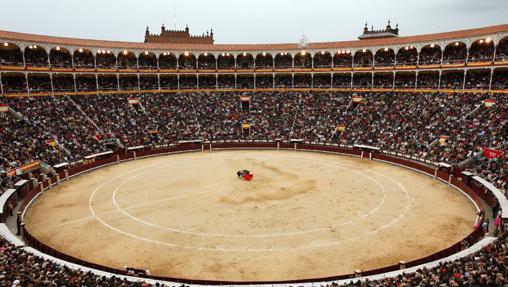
[(183, 161), (304, 215)]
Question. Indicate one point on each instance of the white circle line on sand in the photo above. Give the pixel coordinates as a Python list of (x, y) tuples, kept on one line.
[(265, 235), (174, 245)]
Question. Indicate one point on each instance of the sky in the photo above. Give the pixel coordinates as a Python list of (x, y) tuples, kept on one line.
[(246, 21)]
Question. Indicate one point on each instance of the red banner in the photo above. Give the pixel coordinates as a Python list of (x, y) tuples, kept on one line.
[(491, 153)]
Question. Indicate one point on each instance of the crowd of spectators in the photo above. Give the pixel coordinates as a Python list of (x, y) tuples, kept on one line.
[(487, 267), (436, 126), (449, 79), (433, 126)]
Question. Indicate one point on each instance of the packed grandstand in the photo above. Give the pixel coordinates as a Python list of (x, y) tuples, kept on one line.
[(438, 98)]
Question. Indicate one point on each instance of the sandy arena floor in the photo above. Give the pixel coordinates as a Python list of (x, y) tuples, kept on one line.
[(305, 215)]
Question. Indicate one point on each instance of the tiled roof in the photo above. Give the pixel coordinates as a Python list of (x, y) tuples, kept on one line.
[(407, 40)]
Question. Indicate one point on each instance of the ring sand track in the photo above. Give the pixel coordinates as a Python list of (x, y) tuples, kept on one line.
[(305, 215)]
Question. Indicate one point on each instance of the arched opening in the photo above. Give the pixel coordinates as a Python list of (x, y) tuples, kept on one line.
[(405, 80), (245, 61), (127, 60), (428, 80), (264, 61), (322, 60), (322, 80), (105, 59), (147, 61), (430, 55), (303, 60), (84, 59), (362, 80), (188, 82), (226, 81), (60, 57), (148, 82), (206, 61), (167, 61), (455, 53), (283, 81), (502, 50), (107, 82), (384, 57), (302, 80), (478, 79), (264, 81), (86, 83), (187, 61), (14, 83), (169, 82), (283, 60), (10, 55), (245, 81), (36, 56), (481, 51), (226, 61), (407, 56), (500, 79), (342, 80), (363, 58), (383, 80), (39, 83), (452, 79), (63, 83), (343, 59), (207, 81)]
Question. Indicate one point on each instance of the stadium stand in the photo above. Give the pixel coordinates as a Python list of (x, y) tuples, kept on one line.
[(438, 98)]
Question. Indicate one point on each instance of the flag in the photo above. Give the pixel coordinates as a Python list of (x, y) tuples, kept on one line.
[(248, 176), (357, 99), (245, 126), (442, 140), (491, 153), (133, 101), (341, 128), (4, 108), (51, 142), (489, 103)]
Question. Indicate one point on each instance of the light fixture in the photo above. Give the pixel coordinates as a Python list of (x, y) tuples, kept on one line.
[(58, 48), (364, 50), (432, 45), (6, 44), (264, 54), (186, 54), (348, 51), (108, 51), (407, 48), (244, 54), (80, 50), (322, 52), (481, 41), (386, 49), (206, 54), (146, 52), (303, 53), (488, 40), (456, 43)]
